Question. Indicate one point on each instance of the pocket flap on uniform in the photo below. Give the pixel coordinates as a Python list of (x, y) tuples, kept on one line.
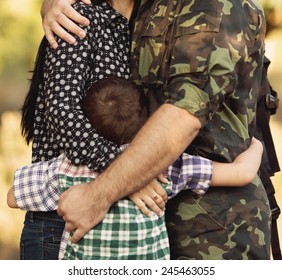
[(191, 23), (158, 29)]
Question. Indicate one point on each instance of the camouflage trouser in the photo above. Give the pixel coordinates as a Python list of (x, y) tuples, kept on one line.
[(225, 223)]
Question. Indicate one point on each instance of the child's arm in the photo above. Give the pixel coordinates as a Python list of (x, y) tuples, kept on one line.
[(11, 200), (197, 173), (36, 187), (199, 178), (241, 171)]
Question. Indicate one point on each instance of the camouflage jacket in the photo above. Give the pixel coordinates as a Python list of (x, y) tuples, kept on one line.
[(206, 57)]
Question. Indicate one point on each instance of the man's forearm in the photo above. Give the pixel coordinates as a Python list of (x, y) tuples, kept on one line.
[(158, 144), (162, 139)]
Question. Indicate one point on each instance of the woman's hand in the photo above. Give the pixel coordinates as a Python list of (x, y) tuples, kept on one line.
[(150, 198), (58, 15)]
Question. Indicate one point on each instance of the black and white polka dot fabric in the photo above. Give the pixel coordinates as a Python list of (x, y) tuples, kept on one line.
[(60, 125)]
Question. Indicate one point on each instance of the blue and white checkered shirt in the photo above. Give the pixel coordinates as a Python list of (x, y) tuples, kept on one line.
[(36, 185)]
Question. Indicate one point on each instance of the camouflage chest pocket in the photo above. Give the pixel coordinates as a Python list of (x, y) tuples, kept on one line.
[(152, 50), (194, 40)]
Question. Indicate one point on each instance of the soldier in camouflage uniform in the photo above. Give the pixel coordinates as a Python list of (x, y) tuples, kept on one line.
[(204, 58)]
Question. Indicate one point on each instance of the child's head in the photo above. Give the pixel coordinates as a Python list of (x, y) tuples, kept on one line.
[(115, 108)]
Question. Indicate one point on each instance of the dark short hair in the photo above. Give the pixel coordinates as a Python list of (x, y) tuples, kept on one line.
[(116, 108)]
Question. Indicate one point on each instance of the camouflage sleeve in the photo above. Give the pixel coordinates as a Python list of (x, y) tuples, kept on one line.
[(190, 74), (172, 54)]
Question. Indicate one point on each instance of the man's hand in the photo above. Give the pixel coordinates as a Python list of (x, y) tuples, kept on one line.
[(59, 14), (78, 206), (151, 197)]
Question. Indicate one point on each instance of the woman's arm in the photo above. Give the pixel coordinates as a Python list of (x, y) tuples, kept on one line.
[(68, 72), (59, 16)]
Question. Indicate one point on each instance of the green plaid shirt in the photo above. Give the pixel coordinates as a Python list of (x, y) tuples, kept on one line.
[(124, 234)]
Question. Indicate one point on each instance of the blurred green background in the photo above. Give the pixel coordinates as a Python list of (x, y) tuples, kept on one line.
[(20, 34)]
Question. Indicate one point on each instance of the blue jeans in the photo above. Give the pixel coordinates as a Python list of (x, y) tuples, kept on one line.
[(41, 236)]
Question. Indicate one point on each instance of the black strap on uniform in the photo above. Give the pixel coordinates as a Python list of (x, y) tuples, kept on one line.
[(275, 212), (267, 106)]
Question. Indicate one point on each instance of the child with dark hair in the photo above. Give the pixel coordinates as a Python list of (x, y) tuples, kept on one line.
[(117, 110)]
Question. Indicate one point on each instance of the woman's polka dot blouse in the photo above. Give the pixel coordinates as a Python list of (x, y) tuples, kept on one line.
[(60, 125)]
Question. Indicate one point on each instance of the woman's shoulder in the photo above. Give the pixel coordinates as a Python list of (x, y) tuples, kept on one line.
[(88, 10)]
